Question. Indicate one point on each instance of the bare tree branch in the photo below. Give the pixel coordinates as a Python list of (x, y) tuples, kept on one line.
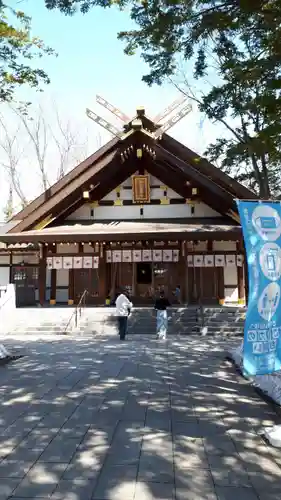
[(38, 135), (10, 147)]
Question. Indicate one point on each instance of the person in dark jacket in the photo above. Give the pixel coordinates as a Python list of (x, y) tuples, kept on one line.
[(161, 305)]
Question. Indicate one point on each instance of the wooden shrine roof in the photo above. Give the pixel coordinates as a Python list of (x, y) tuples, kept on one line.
[(173, 163), (126, 231)]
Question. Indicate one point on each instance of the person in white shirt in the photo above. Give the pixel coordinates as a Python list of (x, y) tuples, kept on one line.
[(123, 309)]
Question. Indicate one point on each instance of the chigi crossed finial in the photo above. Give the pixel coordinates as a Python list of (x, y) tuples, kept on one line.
[(180, 107)]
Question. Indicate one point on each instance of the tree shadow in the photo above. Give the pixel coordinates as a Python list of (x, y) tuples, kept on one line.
[(96, 419)]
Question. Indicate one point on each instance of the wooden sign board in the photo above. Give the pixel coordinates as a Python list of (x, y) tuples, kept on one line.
[(141, 189)]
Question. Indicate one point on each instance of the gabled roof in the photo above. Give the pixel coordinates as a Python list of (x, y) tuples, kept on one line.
[(103, 171)]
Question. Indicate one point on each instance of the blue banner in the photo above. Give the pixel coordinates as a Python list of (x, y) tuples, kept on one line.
[(261, 226)]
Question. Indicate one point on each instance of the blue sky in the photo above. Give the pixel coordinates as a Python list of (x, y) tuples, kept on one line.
[(91, 61)]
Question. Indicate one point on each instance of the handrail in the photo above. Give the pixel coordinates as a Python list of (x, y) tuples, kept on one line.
[(78, 308)]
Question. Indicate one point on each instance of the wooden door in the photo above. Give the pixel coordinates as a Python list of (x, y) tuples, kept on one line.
[(25, 280), (205, 285), (86, 279)]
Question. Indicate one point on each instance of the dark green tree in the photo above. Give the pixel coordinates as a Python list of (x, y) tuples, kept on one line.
[(243, 36), (17, 49)]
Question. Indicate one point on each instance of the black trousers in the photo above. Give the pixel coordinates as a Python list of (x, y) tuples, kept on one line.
[(122, 326)]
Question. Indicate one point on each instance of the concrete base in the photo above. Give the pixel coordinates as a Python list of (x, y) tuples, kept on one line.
[(273, 435), (268, 384)]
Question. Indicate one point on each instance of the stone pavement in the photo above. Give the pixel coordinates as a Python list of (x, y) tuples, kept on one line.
[(96, 419)]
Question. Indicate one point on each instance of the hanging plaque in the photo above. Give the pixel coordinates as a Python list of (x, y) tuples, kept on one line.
[(240, 260), (137, 255), (146, 255), (157, 255), (176, 254), (230, 260), (87, 262), (116, 256), (57, 262), (167, 255), (219, 260), (126, 256), (108, 256), (96, 262), (190, 260), (67, 262), (209, 260), (49, 262), (77, 262), (198, 261), (141, 188)]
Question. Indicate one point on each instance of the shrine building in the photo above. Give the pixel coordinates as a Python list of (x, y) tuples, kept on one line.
[(143, 212)]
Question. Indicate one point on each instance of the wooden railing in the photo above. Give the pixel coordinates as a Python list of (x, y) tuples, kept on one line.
[(77, 313)]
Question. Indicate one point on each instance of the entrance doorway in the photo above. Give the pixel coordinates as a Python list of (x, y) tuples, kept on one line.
[(25, 279), (144, 280)]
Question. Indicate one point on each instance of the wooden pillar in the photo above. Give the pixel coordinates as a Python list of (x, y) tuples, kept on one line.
[(240, 276), (102, 273), (53, 294), (11, 267), (183, 266), (71, 287), (42, 274)]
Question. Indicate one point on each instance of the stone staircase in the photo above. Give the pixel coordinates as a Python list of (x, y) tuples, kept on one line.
[(42, 321), (221, 321)]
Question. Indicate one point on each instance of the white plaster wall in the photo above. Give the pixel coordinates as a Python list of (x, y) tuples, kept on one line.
[(201, 246), (62, 277), (203, 210), (231, 278), (149, 212), (62, 296), (226, 246), (89, 248), (27, 259), (48, 277), (4, 276), (230, 275), (231, 294), (155, 193), (63, 249), (5, 259)]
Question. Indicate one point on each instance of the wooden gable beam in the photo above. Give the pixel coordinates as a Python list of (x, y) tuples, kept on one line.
[(177, 182), (56, 203), (120, 175), (201, 164), (196, 177)]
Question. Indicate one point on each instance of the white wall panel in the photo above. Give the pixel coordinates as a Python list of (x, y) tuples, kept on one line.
[(63, 249), (231, 294), (227, 246), (62, 277), (5, 259), (149, 212), (27, 259), (4, 275), (62, 296), (48, 277), (230, 276)]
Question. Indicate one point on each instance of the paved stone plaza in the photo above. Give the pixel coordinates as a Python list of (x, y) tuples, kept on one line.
[(97, 419)]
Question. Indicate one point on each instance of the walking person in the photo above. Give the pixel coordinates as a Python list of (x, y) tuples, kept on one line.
[(161, 305), (123, 310)]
